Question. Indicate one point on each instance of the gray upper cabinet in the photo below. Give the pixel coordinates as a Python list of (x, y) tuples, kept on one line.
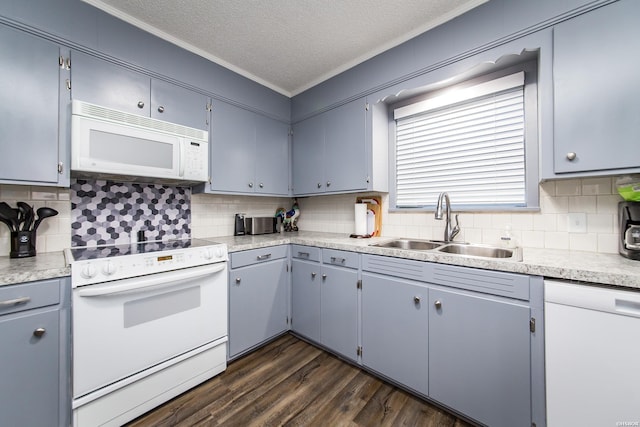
[(249, 152), (29, 102), (480, 357), (596, 57), (110, 85), (330, 151)]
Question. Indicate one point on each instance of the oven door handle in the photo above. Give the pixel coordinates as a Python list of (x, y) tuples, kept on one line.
[(159, 280)]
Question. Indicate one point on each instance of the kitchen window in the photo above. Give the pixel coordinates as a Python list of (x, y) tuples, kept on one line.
[(476, 140)]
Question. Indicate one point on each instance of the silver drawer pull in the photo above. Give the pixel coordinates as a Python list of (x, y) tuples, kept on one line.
[(263, 257), (304, 254), (39, 332), (13, 302), (336, 260)]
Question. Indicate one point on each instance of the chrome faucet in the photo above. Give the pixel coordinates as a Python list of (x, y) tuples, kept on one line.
[(449, 233)]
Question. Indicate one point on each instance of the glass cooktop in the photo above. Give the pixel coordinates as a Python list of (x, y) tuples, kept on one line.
[(96, 252)]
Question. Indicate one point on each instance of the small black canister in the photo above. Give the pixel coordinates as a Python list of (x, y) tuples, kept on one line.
[(23, 244)]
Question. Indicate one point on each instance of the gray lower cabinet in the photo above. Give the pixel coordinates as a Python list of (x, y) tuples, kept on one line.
[(249, 152), (479, 356), (104, 83), (29, 104), (395, 319), (596, 89), (305, 298), (324, 298), (463, 337), (35, 355), (258, 303)]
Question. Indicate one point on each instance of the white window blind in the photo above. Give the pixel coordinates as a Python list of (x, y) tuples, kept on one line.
[(472, 149)]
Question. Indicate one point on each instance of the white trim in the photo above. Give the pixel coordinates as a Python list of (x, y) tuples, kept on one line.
[(458, 95)]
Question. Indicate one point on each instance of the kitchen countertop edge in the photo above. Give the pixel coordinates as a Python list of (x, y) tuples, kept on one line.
[(583, 267)]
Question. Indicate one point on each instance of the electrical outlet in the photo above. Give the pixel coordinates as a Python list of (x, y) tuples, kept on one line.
[(577, 223)]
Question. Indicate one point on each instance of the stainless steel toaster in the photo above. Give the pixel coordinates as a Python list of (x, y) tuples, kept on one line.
[(260, 224)]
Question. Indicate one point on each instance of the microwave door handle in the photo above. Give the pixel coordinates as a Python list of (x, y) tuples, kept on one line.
[(182, 156), (155, 281)]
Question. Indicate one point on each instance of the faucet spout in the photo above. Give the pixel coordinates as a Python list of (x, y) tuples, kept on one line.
[(449, 232)]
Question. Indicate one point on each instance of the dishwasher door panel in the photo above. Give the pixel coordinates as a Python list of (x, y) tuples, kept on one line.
[(592, 352)]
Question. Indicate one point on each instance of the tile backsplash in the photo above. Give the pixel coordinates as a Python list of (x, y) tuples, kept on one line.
[(212, 216), (597, 198), (107, 212)]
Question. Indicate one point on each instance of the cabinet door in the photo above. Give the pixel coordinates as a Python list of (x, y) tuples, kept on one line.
[(257, 304), (29, 384), (109, 85), (345, 156), (339, 310), (272, 156), (479, 357), (176, 104), (395, 329), (308, 156), (596, 57), (305, 299), (232, 148), (29, 87)]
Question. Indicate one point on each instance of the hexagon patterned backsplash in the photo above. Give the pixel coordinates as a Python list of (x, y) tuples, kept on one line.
[(107, 212)]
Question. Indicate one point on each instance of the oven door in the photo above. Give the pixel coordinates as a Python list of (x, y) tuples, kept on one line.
[(126, 326)]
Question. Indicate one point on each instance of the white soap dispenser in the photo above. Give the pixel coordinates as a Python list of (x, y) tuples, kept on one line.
[(508, 240)]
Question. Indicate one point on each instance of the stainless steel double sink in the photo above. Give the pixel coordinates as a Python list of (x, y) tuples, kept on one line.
[(457, 248)]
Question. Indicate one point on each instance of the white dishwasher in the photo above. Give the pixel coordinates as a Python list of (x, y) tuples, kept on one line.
[(592, 346)]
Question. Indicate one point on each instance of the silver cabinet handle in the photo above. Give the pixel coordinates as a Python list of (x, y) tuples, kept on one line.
[(328, 183), (13, 302), (336, 260), (313, 275), (324, 276), (571, 156), (416, 299), (161, 109), (261, 185), (39, 332), (251, 185), (304, 254), (263, 257), (140, 104), (319, 185), (438, 304), (238, 280)]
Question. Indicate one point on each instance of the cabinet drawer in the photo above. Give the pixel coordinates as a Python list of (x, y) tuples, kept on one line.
[(398, 267), (308, 253), (256, 256), (489, 282), (30, 295), (340, 258)]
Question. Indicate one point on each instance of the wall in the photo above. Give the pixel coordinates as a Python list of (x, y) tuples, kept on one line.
[(211, 216), (596, 197)]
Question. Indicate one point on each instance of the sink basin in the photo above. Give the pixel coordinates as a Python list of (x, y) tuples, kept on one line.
[(414, 245), (480, 251)]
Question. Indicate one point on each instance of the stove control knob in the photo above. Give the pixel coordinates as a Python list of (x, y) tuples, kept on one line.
[(108, 269), (219, 253), (88, 271), (208, 253)]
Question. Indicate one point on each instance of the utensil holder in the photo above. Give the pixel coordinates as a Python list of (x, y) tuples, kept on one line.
[(23, 244)]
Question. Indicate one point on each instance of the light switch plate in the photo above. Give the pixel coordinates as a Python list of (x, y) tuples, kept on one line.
[(577, 222)]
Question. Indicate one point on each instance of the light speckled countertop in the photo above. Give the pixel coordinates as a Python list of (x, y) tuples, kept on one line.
[(610, 269)]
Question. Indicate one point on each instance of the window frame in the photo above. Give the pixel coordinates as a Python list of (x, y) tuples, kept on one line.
[(531, 137)]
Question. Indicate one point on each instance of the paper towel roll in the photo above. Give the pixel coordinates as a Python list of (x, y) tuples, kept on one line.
[(361, 219)]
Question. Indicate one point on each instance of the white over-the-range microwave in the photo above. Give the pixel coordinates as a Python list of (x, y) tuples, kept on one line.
[(107, 143)]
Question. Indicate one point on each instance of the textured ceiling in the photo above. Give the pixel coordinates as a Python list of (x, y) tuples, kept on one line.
[(287, 45)]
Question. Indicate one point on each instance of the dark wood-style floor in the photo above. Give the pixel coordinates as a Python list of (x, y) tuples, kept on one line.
[(292, 383)]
